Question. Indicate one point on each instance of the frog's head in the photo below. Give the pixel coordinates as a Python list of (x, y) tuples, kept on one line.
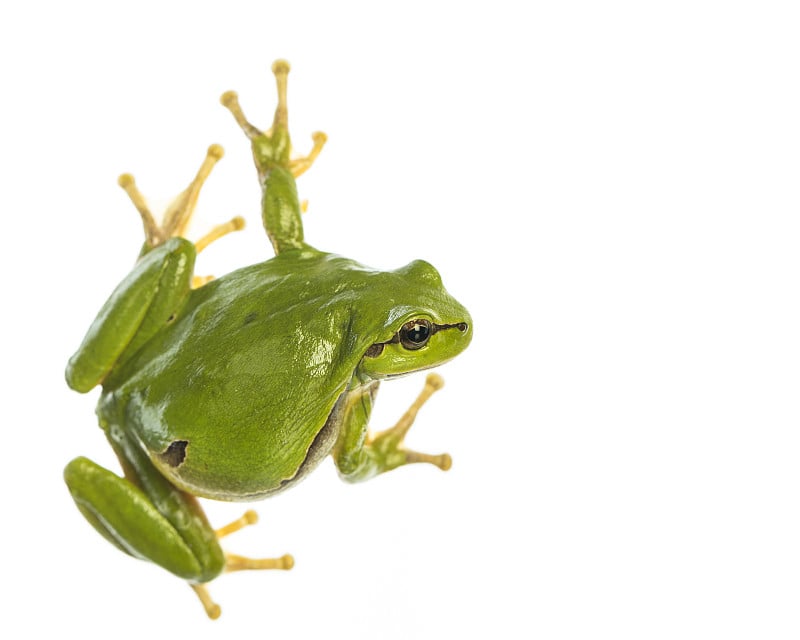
[(424, 326)]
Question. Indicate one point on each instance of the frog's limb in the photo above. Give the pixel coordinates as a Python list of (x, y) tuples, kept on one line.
[(147, 299), (360, 456), (280, 207), (126, 516), (146, 516)]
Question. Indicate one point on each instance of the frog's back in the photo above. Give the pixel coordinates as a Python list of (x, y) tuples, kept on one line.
[(233, 399)]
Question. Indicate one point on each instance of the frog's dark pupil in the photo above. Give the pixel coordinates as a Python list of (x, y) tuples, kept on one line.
[(418, 333), (415, 334)]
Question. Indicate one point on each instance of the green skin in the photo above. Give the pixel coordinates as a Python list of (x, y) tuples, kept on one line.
[(237, 389)]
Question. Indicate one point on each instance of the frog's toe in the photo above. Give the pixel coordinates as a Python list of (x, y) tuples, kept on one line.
[(213, 610), (249, 517), (242, 563), (442, 460)]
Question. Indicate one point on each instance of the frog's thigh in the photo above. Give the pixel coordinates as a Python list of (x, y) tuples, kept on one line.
[(137, 309), (125, 516)]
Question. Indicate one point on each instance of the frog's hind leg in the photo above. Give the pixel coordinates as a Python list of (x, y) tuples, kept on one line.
[(147, 517), (144, 514), (277, 170), (277, 136)]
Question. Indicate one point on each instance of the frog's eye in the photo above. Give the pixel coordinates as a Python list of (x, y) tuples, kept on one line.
[(415, 334)]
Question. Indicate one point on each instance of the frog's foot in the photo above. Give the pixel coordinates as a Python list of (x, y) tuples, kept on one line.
[(178, 215), (387, 446), (235, 562), (213, 610), (241, 563), (280, 124), (276, 137)]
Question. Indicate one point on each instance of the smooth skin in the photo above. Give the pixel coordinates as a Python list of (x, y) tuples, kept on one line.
[(235, 388)]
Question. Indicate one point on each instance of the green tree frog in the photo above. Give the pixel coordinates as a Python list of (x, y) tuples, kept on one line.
[(235, 388)]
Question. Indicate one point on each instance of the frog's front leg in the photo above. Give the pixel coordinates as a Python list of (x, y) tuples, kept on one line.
[(359, 456), (147, 517)]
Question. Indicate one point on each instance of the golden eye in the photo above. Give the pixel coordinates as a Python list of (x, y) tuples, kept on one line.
[(415, 334)]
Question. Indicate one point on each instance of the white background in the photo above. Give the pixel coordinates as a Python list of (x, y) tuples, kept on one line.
[(610, 188)]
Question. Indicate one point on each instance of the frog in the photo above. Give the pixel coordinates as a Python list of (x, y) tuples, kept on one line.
[(235, 388)]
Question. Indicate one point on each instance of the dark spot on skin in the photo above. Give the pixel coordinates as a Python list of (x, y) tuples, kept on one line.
[(175, 453), (250, 317), (171, 318)]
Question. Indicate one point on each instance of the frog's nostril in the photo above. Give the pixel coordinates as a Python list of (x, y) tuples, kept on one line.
[(462, 326)]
